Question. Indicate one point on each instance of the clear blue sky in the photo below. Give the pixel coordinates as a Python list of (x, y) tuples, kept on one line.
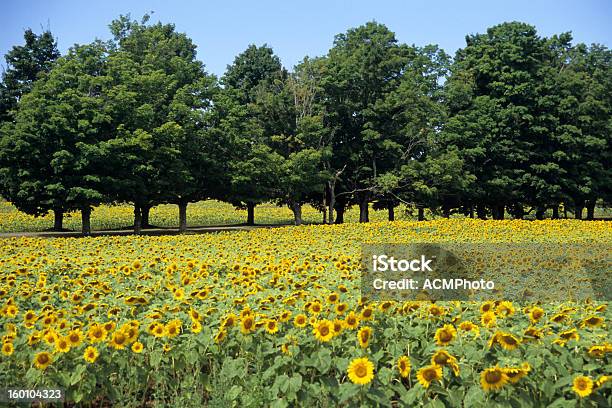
[(222, 29)]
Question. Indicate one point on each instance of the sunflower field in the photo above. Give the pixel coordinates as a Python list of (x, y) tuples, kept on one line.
[(273, 317)]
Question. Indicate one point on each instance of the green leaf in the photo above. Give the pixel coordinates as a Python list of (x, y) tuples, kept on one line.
[(410, 396), (347, 391), (234, 392), (279, 403), (294, 383), (474, 396)]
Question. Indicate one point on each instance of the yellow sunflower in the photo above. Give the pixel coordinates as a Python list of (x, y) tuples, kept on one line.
[(488, 319), (508, 341), (435, 310), (196, 326), (597, 351), (445, 335), (602, 380), (220, 336), (428, 374), (42, 360), (7, 348), (535, 314), (118, 340), (514, 374), (403, 364), (173, 328), (229, 320), (75, 337), (315, 308), (247, 324), (96, 333), (469, 327), (363, 336), (351, 321), (91, 354), (592, 321), (341, 308), (338, 326), (361, 371), (532, 333), (487, 307), (493, 379), (367, 313), (300, 320), (571, 334), (157, 329), (583, 386), (271, 326), (62, 345), (137, 347), (323, 330), (444, 358)]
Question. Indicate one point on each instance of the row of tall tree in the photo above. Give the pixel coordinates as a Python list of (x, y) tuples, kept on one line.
[(515, 124)]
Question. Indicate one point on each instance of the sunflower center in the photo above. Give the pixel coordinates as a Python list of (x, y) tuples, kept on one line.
[(493, 377), (361, 371), (441, 359), (429, 374), (445, 336), (510, 340), (324, 330), (43, 358)]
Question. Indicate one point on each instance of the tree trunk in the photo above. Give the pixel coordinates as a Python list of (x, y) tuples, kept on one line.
[(498, 212), (590, 210), (578, 211), (58, 219), (182, 216), (137, 220), (331, 186), (324, 210), (421, 216), (481, 212), (471, 211), (86, 220), (250, 213), (391, 209), (555, 212), (145, 210), (364, 207), (446, 211), (339, 215), (518, 212), (296, 207), (540, 213)]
